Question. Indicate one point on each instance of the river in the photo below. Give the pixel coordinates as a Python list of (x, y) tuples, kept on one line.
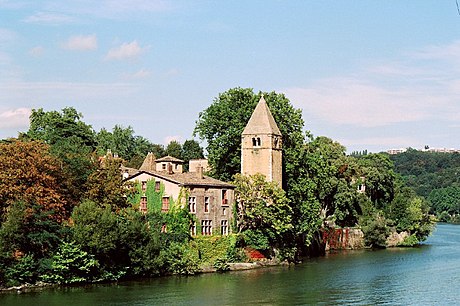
[(425, 275)]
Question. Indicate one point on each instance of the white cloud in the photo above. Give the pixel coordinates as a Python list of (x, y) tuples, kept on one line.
[(81, 43), (356, 102), (15, 118), (125, 51), (423, 85), (37, 51), (49, 18)]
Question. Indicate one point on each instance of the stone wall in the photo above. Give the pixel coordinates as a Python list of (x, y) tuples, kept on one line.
[(342, 238)]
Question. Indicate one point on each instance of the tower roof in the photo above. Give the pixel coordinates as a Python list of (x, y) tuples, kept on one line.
[(261, 121), (149, 162)]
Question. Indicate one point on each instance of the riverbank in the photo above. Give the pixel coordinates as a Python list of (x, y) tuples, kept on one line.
[(358, 277)]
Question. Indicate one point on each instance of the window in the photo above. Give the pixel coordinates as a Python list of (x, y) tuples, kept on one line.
[(224, 211), (143, 205), (193, 229), (256, 142), (157, 186), (224, 227), (192, 205), (144, 186), (206, 204), (206, 227), (224, 197), (163, 166), (165, 204), (176, 166)]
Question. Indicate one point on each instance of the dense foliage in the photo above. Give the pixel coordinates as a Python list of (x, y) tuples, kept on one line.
[(433, 175)]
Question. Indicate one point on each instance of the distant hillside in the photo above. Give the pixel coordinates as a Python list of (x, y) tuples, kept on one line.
[(436, 176)]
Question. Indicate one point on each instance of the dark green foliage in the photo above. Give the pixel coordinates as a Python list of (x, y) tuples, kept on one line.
[(131, 148), (427, 171), (191, 149), (174, 149), (376, 230), (445, 202), (71, 265)]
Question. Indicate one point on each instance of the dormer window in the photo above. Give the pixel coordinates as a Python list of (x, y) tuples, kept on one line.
[(256, 142)]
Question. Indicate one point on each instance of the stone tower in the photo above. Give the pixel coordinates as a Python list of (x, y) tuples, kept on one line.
[(261, 145)]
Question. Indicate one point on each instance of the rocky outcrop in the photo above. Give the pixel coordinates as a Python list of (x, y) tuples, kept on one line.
[(396, 239)]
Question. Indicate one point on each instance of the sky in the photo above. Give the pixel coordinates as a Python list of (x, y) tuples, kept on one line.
[(372, 75)]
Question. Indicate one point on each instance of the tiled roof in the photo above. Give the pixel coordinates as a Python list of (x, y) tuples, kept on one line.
[(186, 179), (169, 159)]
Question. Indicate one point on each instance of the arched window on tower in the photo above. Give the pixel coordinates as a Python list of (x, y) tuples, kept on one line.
[(256, 142)]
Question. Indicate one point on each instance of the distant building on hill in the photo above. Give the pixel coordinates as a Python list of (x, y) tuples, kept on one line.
[(426, 149)]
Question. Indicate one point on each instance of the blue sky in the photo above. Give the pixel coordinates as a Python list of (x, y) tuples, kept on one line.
[(372, 75)]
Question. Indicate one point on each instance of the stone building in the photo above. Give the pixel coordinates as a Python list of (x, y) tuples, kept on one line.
[(261, 145), (209, 199)]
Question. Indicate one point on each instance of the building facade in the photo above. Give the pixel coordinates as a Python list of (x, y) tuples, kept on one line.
[(210, 200)]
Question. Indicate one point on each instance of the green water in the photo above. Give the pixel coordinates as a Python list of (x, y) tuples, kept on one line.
[(426, 275)]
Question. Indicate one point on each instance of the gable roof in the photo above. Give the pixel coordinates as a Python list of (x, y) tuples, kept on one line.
[(261, 121), (186, 179), (170, 159)]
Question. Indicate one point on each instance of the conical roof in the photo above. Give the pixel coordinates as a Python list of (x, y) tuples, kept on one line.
[(261, 121), (149, 163)]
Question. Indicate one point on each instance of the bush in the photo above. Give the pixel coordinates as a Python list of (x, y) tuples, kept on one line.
[(376, 231), (72, 265)]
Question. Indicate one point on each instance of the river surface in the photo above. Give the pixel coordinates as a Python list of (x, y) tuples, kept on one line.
[(425, 275)]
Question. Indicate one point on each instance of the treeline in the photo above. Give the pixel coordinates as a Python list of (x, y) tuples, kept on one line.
[(434, 176), (67, 216)]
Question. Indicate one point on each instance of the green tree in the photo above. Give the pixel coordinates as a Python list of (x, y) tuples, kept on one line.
[(191, 149), (174, 149), (262, 207), (380, 177), (71, 140), (106, 186)]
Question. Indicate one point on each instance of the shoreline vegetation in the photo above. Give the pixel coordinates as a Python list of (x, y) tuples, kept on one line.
[(67, 216)]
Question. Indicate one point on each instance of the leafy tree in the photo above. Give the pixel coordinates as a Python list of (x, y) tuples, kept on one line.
[(378, 171), (191, 149), (71, 265), (262, 207), (174, 149), (70, 139), (445, 200), (29, 173), (106, 187), (122, 142)]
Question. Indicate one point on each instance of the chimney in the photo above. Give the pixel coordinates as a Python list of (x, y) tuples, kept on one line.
[(170, 170), (199, 172)]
